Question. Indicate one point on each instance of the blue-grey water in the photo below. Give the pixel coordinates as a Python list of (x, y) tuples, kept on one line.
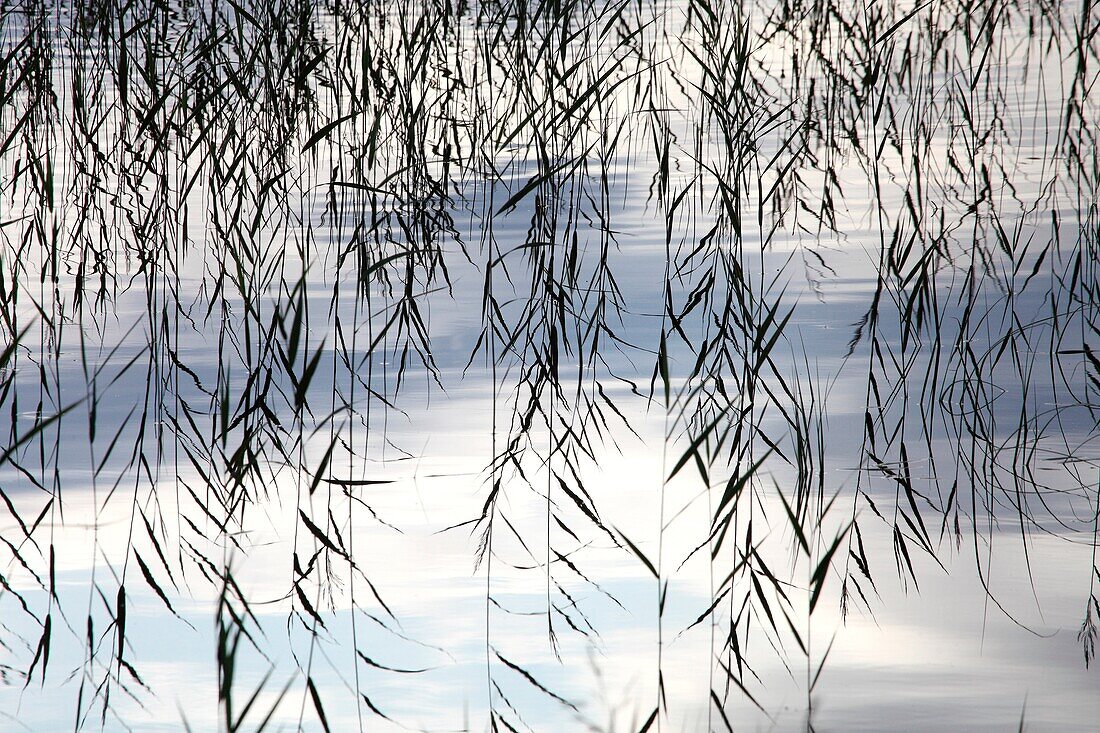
[(616, 367)]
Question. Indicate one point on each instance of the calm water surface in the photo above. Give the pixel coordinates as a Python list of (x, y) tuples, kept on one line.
[(549, 367)]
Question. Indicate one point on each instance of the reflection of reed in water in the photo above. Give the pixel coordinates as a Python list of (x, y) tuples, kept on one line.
[(231, 235)]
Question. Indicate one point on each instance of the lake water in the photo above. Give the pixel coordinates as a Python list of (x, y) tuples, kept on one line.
[(549, 367)]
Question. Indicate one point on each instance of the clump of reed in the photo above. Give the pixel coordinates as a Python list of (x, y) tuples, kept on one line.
[(225, 229)]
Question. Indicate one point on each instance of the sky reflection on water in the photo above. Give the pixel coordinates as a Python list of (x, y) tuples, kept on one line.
[(556, 367)]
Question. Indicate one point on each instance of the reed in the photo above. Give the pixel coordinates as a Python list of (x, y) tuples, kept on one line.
[(248, 250)]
